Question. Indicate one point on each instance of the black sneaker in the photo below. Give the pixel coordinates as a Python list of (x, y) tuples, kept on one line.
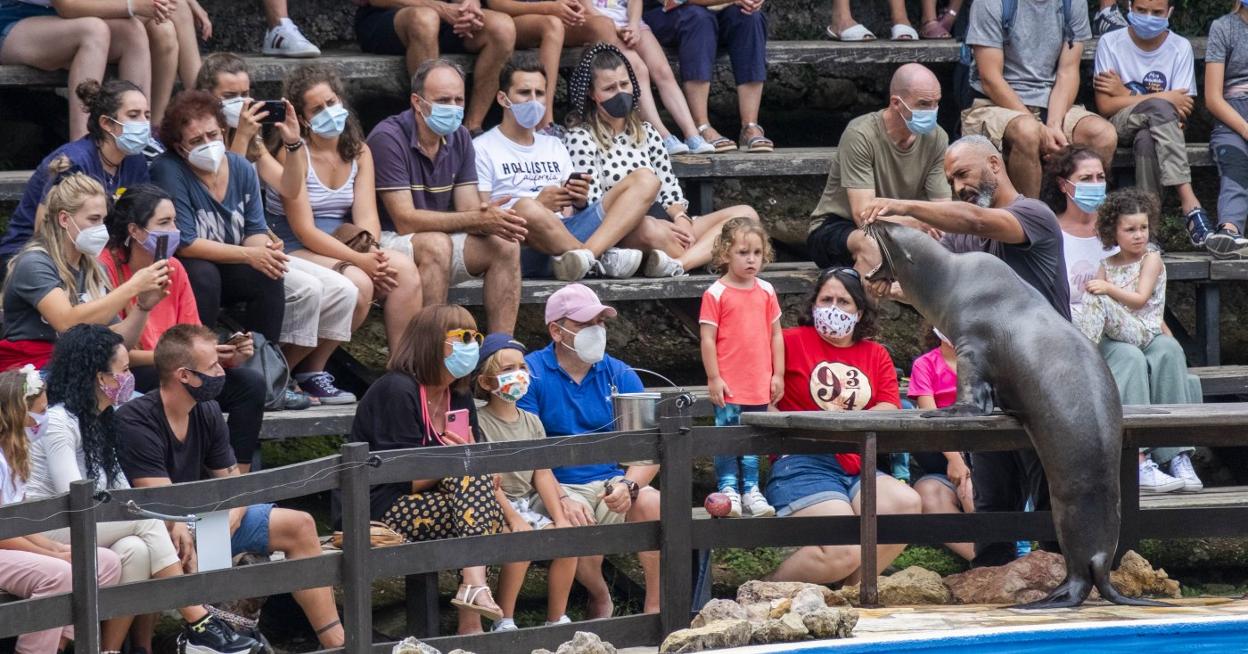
[(1224, 242), (1108, 20), (1199, 227), (212, 636)]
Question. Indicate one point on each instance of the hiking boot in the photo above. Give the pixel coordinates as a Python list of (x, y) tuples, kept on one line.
[(1224, 242), (619, 263), (756, 505), (1199, 227), (212, 636), (286, 40), (1108, 20), (572, 265), (734, 499), (320, 386), (1153, 480), (658, 264), (1181, 468)]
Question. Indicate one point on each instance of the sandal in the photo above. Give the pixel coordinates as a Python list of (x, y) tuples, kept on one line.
[(947, 19), (721, 143), (758, 143), (933, 29), (857, 32), (473, 600), (904, 33)]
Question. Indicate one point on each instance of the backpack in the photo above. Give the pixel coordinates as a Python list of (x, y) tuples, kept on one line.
[(962, 90)]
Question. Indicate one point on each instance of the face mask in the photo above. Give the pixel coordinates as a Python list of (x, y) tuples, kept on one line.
[(528, 114), (512, 385), (833, 323), (921, 121), (232, 108), (207, 157), (209, 388), (330, 121), (122, 391), (1147, 27), (149, 243), (1089, 196), (134, 136), (463, 358), (91, 241), (33, 432), (618, 105), (444, 118), (590, 344)]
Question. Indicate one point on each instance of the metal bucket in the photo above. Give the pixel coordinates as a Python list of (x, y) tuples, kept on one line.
[(634, 411)]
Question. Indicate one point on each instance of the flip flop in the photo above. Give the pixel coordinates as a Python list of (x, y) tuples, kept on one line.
[(933, 29), (721, 144), (904, 33), (855, 33)]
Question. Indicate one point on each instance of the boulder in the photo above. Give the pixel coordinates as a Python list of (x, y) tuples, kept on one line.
[(1023, 580), (715, 635), (766, 591), (410, 645), (787, 629), (1135, 577), (828, 622), (911, 586), (811, 599), (585, 642), (719, 609), (778, 608)]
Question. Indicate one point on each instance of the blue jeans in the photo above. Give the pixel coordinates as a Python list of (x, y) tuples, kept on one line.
[(739, 473)]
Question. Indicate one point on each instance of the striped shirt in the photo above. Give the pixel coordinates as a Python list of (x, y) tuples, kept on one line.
[(327, 203), (402, 166)]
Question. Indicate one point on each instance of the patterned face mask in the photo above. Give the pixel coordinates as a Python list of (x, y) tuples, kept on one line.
[(833, 323), (512, 385)]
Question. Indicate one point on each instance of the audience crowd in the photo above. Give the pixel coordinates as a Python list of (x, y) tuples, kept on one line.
[(132, 246)]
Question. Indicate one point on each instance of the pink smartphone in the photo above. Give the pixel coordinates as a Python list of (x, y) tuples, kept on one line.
[(457, 426)]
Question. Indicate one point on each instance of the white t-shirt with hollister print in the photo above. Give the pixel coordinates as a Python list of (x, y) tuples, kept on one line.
[(506, 168), (1167, 68)]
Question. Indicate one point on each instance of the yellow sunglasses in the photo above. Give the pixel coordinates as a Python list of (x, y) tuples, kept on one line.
[(465, 336)]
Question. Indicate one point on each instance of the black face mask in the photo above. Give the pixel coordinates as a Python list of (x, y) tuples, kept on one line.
[(618, 105), (208, 390)]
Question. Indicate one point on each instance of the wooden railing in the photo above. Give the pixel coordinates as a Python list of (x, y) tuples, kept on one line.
[(675, 444)]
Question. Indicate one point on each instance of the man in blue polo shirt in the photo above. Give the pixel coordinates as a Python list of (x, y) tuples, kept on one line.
[(426, 175), (571, 393)]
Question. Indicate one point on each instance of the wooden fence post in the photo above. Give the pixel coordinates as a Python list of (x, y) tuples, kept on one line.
[(83, 566), (675, 515), (357, 578), (868, 593)]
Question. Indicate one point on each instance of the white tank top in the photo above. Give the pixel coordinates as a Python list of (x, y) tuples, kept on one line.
[(326, 202)]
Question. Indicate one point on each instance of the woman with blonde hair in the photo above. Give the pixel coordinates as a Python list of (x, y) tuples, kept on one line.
[(55, 282)]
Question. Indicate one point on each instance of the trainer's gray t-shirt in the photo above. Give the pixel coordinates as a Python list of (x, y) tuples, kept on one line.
[(1228, 44), (1035, 43)]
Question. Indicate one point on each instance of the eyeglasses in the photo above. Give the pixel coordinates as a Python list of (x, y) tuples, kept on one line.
[(836, 270), (465, 336)]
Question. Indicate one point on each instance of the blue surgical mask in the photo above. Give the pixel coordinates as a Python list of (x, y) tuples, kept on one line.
[(463, 358), (1089, 196), (1148, 27), (330, 121), (921, 121), (134, 136), (444, 118), (528, 114)]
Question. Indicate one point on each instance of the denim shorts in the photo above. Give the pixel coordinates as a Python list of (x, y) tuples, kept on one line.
[(800, 481), (252, 535), (12, 11), (581, 225)]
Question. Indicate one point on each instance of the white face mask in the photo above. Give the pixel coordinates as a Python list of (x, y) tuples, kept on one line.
[(91, 241), (590, 344), (833, 323), (207, 157), (232, 108)]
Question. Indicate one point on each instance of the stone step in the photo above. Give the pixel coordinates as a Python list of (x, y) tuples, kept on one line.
[(359, 66)]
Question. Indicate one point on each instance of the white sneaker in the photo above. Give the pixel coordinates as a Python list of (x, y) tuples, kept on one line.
[(1153, 480), (505, 624), (734, 499), (1181, 468), (572, 265), (563, 619), (658, 264), (286, 40), (619, 263), (756, 505)]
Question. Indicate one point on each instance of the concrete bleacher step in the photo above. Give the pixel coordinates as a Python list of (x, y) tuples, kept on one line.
[(359, 66)]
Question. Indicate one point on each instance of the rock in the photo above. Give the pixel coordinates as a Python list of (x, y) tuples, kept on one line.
[(459, 651), (787, 629), (586, 643), (911, 586), (716, 635), (828, 622), (410, 645), (541, 651), (719, 609), (1022, 580), (811, 599), (766, 591), (778, 608), (1135, 577)]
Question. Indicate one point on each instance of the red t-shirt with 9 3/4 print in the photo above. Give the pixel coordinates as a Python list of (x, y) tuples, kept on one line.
[(819, 376)]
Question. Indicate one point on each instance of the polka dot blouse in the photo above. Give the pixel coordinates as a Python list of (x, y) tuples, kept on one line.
[(608, 167)]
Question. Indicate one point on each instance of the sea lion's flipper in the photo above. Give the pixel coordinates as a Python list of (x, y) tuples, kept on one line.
[(1071, 592)]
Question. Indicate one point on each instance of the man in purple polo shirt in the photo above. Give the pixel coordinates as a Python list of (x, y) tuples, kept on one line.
[(428, 203)]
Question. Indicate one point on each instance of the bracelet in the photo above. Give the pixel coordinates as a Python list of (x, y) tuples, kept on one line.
[(291, 147)]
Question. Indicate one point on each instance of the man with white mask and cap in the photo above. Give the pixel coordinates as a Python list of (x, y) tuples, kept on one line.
[(572, 382)]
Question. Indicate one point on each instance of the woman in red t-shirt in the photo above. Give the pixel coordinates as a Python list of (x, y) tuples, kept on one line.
[(832, 365)]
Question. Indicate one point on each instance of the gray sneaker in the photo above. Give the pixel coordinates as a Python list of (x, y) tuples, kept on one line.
[(619, 263), (659, 264), (571, 266), (1108, 20)]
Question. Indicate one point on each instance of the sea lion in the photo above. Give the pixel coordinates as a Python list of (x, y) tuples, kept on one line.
[(1015, 351)]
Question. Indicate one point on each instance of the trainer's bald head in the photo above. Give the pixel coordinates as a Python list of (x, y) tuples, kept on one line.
[(912, 79)]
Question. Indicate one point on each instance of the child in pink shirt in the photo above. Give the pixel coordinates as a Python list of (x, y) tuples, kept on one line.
[(742, 350)]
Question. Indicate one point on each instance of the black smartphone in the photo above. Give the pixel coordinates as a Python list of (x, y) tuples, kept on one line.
[(162, 247), (577, 175), (277, 112)]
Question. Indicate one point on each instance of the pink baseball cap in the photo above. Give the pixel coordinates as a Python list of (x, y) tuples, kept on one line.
[(575, 301)]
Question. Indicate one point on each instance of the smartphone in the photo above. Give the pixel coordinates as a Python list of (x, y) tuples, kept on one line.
[(277, 111), (237, 338), (162, 247), (577, 175), (457, 426)]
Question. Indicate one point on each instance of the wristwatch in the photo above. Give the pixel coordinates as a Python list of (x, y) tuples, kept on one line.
[(633, 488)]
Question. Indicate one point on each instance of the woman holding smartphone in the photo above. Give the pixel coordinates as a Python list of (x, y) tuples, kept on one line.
[(424, 400)]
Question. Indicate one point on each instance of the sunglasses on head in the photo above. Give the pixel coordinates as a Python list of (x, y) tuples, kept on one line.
[(836, 270), (465, 336)]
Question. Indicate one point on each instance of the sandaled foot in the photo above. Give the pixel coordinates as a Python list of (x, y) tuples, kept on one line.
[(720, 142), (947, 19), (933, 30), (855, 32), (478, 600), (754, 140), (904, 33)]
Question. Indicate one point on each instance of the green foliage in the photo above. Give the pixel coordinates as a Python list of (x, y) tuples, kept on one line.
[(297, 450), (937, 559), (737, 566)]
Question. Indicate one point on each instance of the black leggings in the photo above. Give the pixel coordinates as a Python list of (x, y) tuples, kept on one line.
[(217, 284), (242, 398), (1004, 481)]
